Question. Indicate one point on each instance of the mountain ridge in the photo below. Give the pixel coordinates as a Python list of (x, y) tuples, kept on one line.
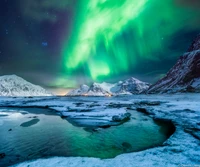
[(184, 76), (13, 85), (126, 87)]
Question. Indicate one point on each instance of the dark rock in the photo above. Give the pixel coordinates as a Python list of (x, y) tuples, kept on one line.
[(78, 104), (2, 155), (119, 105), (189, 110), (130, 108), (105, 126), (184, 76), (196, 135), (176, 150), (121, 119), (149, 103), (194, 132), (94, 105), (143, 110), (116, 118)]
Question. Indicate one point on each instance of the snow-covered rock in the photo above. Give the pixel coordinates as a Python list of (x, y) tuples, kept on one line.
[(96, 118), (128, 87), (80, 91), (184, 76), (12, 85), (100, 89)]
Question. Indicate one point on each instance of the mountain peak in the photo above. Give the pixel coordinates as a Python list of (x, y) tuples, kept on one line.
[(13, 85), (195, 45), (129, 86), (184, 76)]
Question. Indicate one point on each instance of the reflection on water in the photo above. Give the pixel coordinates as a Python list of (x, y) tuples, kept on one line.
[(46, 134)]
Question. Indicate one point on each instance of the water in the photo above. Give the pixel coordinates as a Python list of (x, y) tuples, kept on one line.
[(33, 133)]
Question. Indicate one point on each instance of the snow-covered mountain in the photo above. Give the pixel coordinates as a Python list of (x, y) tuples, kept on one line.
[(100, 89), (80, 91), (12, 85), (184, 76), (129, 86)]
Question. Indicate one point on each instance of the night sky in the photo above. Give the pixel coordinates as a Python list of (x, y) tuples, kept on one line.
[(62, 44)]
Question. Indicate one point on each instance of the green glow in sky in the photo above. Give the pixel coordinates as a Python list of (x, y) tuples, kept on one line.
[(100, 21), (109, 37)]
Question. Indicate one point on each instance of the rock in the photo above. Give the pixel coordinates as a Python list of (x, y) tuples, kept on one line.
[(80, 91), (2, 155), (126, 87), (118, 118), (143, 110), (95, 118), (184, 76), (131, 86), (12, 85), (149, 103)]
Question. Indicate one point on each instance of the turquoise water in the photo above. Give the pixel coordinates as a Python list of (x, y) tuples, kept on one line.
[(33, 133)]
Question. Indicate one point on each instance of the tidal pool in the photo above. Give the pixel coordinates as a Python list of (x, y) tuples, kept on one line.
[(45, 134)]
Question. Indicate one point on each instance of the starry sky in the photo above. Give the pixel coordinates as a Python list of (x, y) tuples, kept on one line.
[(62, 44)]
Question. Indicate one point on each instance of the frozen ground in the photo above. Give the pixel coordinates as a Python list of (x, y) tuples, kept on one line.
[(181, 149)]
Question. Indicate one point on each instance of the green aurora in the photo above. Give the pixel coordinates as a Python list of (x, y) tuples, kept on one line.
[(62, 44), (109, 37)]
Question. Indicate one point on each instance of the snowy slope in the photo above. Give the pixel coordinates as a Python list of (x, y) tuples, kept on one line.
[(184, 76), (12, 85), (80, 91), (129, 86), (100, 89)]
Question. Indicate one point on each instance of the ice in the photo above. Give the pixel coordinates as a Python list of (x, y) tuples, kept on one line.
[(182, 148)]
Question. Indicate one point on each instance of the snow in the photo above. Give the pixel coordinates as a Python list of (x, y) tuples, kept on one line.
[(184, 76), (182, 148), (106, 86), (12, 85), (97, 118), (126, 87), (81, 91), (196, 83), (106, 113), (131, 85)]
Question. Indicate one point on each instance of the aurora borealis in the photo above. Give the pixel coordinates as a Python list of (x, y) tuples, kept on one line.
[(101, 21), (67, 43)]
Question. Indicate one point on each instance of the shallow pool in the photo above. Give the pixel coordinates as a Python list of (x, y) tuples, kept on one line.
[(32, 133)]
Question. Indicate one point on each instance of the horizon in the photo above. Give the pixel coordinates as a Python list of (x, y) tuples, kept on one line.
[(69, 44)]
